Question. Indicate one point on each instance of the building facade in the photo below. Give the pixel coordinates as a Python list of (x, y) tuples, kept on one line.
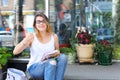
[(70, 14), (8, 11)]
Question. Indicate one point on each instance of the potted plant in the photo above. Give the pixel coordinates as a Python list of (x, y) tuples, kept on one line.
[(85, 45), (104, 52), (70, 53), (5, 53)]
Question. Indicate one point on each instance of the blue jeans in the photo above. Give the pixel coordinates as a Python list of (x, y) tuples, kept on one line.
[(50, 70)]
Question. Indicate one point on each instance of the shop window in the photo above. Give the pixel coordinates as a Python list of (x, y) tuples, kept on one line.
[(23, 3), (101, 0), (77, 1), (5, 2)]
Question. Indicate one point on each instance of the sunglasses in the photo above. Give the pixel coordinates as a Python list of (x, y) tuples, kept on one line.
[(40, 21)]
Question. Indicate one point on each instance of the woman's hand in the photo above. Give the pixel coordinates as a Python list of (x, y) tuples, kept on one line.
[(47, 57), (23, 44), (52, 54), (29, 37)]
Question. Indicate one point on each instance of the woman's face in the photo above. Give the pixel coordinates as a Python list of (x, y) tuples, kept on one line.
[(41, 24)]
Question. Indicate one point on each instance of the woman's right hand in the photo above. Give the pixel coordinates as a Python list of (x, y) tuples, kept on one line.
[(23, 44), (29, 37)]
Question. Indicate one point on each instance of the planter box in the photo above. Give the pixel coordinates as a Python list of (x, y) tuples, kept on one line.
[(105, 58), (85, 53)]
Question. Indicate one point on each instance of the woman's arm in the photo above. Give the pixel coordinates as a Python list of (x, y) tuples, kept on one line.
[(23, 44), (57, 52), (56, 44)]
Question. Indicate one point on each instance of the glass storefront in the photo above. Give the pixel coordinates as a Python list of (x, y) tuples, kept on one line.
[(62, 16), (66, 15)]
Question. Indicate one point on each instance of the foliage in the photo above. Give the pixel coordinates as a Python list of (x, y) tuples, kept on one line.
[(70, 53), (103, 46), (41, 4), (5, 53), (67, 50), (25, 53), (116, 52), (117, 21), (107, 19)]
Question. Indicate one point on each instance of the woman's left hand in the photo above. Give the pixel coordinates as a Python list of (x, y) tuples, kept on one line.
[(47, 57)]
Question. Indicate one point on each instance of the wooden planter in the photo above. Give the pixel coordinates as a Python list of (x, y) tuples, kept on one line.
[(85, 52)]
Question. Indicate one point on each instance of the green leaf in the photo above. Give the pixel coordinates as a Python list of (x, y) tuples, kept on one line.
[(66, 50), (3, 60)]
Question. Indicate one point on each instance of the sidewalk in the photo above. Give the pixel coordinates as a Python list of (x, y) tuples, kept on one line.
[(92, 72)]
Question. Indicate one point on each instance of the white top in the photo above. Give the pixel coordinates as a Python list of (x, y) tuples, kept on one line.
[(39, 50)]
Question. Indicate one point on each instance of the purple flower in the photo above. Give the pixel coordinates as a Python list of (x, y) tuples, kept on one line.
[(84, 38)]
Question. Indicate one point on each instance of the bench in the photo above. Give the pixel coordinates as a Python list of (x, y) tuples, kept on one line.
[(21, 64)]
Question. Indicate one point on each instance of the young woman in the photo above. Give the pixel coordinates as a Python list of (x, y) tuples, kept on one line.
[(45, 58)]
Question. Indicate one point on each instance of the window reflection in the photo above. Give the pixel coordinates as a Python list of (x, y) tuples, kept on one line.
[(5, 2)]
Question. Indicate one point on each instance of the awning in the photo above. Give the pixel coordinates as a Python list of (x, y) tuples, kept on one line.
[(25, 12)]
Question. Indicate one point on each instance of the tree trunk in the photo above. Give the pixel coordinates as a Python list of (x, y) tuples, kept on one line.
[(116, 19)]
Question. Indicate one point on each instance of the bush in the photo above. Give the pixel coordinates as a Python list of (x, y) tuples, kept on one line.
[(5, 53)]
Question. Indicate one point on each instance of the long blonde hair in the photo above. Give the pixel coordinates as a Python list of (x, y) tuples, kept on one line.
[(49, 27)]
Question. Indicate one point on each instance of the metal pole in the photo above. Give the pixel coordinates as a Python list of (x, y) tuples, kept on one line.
[(47, 8), (18, 21), (73, 17), (1, 25), (82, 13), (91, 14), (114, 14)]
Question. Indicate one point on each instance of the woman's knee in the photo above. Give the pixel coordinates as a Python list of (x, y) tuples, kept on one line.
[(62, 57), (51, 62)]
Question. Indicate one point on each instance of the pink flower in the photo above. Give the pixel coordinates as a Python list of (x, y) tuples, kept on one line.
[(87, 41), (84, 38)]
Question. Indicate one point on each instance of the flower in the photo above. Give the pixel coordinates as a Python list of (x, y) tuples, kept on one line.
[(103, 46), (85, 38)]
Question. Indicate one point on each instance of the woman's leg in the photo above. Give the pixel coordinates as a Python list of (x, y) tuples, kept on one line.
[(37, 70), (50, 70), (61, 66)]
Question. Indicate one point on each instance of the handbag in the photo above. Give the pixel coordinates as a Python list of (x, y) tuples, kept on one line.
[(15, 74)]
